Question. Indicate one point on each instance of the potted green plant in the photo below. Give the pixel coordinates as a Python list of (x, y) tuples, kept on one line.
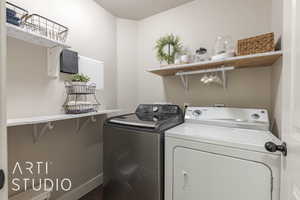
[(80, 79)]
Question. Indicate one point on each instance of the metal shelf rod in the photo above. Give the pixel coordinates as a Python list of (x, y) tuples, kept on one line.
[(184, 75), (219, 69)]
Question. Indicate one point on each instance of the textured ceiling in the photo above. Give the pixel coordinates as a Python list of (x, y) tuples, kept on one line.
[(138, 9)]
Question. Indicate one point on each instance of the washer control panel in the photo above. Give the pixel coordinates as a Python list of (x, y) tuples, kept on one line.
[(157, 109)]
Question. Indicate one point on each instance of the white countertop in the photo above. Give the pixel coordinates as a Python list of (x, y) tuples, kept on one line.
[(52, 118)]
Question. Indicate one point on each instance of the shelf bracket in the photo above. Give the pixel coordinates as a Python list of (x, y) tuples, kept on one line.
[(37, 134), (184, 79), (224, 79), (185, 82), (81, 123), (53, 61)]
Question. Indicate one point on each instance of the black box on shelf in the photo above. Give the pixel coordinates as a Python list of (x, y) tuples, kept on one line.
[(69, 62)]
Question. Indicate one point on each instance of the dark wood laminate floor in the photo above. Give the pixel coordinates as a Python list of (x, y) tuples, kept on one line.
[(96, 194)]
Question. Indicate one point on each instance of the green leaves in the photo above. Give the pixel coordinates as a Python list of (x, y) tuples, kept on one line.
[(172, 44), (80, 78)]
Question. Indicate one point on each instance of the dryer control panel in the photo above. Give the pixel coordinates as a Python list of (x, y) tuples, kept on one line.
[(231, 117)]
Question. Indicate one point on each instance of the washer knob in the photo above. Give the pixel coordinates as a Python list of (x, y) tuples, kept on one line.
[(155, 108)]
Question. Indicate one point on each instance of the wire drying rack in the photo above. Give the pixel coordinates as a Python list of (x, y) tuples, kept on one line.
[(46, 27), (36, 23), (81, 98)]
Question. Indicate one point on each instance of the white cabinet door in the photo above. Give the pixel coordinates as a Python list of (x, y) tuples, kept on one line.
[(206, 176), (3, 139)]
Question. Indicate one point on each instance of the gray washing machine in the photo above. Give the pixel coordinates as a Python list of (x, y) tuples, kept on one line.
[(134, 152)]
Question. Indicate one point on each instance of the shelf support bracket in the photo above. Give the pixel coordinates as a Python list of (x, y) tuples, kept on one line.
[(38, 134), (53, 59), (185, 82), (80, 124), (224, 79), (223, 70)]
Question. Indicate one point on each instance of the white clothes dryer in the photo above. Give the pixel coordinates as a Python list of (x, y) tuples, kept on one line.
[(220, 154)]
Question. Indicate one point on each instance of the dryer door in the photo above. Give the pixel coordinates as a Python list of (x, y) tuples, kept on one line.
[(206, 176)]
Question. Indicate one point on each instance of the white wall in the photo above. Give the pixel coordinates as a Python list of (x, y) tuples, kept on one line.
[(32, 93), (3, 131), (127, 64), (92, 33), (277, 27), (198, 24), (277, 18)]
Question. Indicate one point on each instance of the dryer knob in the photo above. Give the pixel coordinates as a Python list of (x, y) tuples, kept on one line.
[(197, 113), (272, 147), (255, 116)]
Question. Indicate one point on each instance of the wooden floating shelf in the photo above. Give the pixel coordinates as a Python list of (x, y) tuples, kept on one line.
[(53, 118), (254, 60), (31, 37)]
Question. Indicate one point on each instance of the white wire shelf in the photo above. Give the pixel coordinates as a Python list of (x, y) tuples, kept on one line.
[(31, 37)]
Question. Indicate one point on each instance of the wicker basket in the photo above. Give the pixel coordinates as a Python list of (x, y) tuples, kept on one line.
[(81, 98), (80, 89), (258, 44), (81, 108)]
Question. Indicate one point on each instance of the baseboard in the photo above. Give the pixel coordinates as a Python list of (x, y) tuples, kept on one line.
[(83, 189)]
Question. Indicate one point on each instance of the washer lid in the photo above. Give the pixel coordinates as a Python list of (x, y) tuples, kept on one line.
[(134, 120), (248, 139)]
